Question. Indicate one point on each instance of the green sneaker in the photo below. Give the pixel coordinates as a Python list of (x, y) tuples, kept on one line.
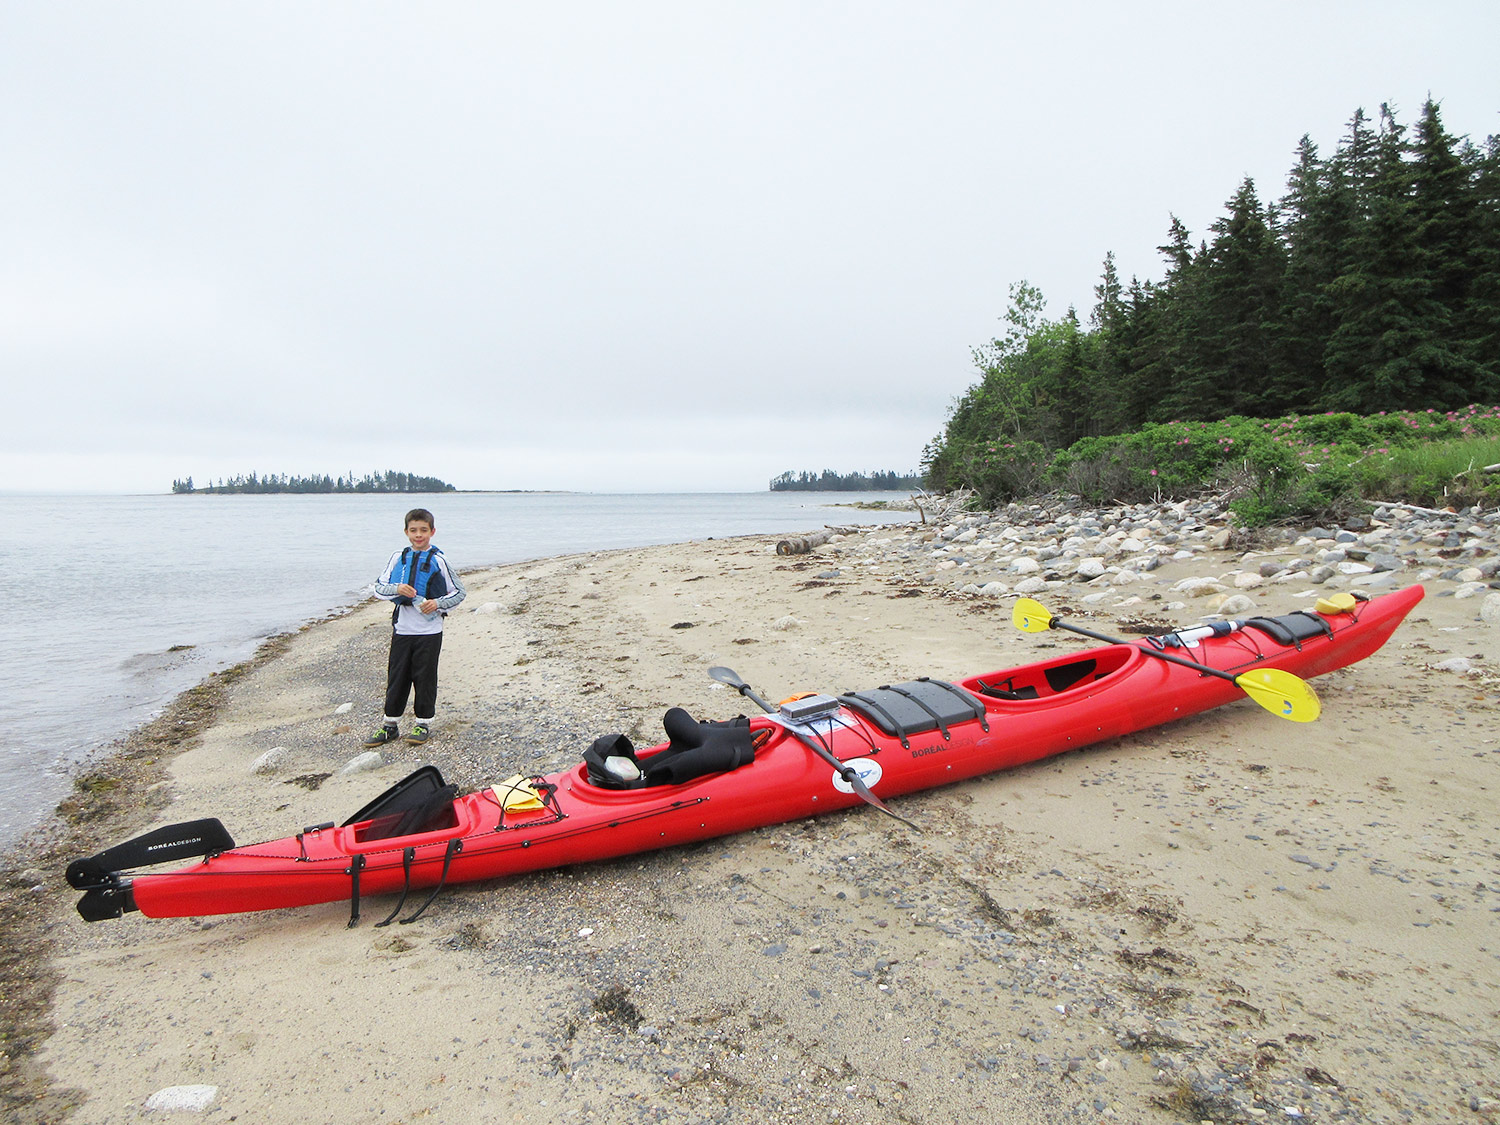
[(419, 734), (382, 736)]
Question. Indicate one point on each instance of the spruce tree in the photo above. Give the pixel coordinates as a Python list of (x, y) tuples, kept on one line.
[(1481, 313), (1238, 300), (1392, 346)]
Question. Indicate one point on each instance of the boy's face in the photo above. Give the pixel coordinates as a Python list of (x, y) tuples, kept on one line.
[(419, 534)]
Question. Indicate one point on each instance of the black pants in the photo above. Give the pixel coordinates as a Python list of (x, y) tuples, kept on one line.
[(413, 664)]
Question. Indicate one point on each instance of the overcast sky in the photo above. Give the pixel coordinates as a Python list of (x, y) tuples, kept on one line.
[(613, 246)]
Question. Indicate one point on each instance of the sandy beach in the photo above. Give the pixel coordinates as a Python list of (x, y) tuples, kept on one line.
[(1232, 918)]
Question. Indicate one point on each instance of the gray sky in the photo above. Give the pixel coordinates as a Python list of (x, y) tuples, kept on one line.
[(613, 246)]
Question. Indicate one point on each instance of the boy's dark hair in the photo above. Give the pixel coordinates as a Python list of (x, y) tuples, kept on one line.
[(420, 514)]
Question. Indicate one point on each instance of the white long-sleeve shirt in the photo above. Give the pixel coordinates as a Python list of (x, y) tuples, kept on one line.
[(410, 620)]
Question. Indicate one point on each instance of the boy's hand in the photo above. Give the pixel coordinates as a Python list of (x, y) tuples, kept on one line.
[(406, 590), (429, 606)]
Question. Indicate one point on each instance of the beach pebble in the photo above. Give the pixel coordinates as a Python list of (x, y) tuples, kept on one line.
[(489, 607), (191, 1099), (1236, 604), (785, 623), (343, 708), (1032, 585), (1091, 567), (363, 763), (1025, 565), (1198, 587), (1458, 664), (1489, 609), (271, 761), (1471, 590)]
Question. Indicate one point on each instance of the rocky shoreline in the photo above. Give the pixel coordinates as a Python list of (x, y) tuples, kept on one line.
[(1029, 548)]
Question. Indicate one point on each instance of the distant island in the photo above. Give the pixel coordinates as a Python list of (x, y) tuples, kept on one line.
[(830, 481), (388, 481)]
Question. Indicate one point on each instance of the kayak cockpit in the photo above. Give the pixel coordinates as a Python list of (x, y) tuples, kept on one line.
[(693, 749), (1061, 677)]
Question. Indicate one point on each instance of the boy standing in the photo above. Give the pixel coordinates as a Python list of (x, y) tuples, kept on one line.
[(424, 588)]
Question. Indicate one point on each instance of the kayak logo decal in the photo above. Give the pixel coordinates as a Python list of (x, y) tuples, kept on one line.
[(867, 769)]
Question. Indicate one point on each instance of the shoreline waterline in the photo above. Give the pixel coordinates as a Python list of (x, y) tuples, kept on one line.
[(126, 631)]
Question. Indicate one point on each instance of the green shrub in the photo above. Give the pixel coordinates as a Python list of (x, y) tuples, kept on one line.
[(1001, 471), (1298, 467)]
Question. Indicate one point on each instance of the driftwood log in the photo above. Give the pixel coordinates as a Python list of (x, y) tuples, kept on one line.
[(1411, 508), (802, 544)]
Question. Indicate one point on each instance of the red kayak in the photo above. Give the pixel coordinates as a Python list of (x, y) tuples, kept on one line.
[(807, 756)]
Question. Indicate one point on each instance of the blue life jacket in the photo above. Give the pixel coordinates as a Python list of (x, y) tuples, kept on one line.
[(419, 569)]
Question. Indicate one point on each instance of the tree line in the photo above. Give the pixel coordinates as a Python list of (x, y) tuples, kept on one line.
[(1372, 285), (830, 481), (388, 481)]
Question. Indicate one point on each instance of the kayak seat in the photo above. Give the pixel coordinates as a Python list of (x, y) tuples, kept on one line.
[(1061, 677), (916, 707), (1025, 691), (694, 749), (1292, 629)]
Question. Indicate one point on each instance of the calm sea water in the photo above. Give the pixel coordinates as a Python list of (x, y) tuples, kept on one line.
[(129, 600)]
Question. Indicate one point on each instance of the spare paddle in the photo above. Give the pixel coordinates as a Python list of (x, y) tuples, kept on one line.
[(730, 678), (160, 845), (1279, 692)]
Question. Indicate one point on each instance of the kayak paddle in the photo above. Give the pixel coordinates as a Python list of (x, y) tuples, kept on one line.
[(730, 678), (1280, 693)]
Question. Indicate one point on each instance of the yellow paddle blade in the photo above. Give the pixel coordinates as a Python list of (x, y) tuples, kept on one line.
[(1031, 616), (1282, 693)]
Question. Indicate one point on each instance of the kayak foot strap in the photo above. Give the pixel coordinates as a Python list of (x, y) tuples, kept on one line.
[(455, 846), (356, 865), (406, 857)]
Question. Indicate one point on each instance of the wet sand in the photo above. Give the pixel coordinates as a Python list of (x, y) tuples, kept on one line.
[(1233, 918)]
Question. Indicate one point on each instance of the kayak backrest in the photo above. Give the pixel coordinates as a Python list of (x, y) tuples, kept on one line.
[(410, 792), (432, 813)]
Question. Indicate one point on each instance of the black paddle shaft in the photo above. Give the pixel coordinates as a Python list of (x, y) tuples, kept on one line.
[(1058, 623), (850, 775)]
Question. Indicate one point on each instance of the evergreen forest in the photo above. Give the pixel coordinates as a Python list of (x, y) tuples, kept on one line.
[(1372, 286), (388, 481), (830, 481)]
